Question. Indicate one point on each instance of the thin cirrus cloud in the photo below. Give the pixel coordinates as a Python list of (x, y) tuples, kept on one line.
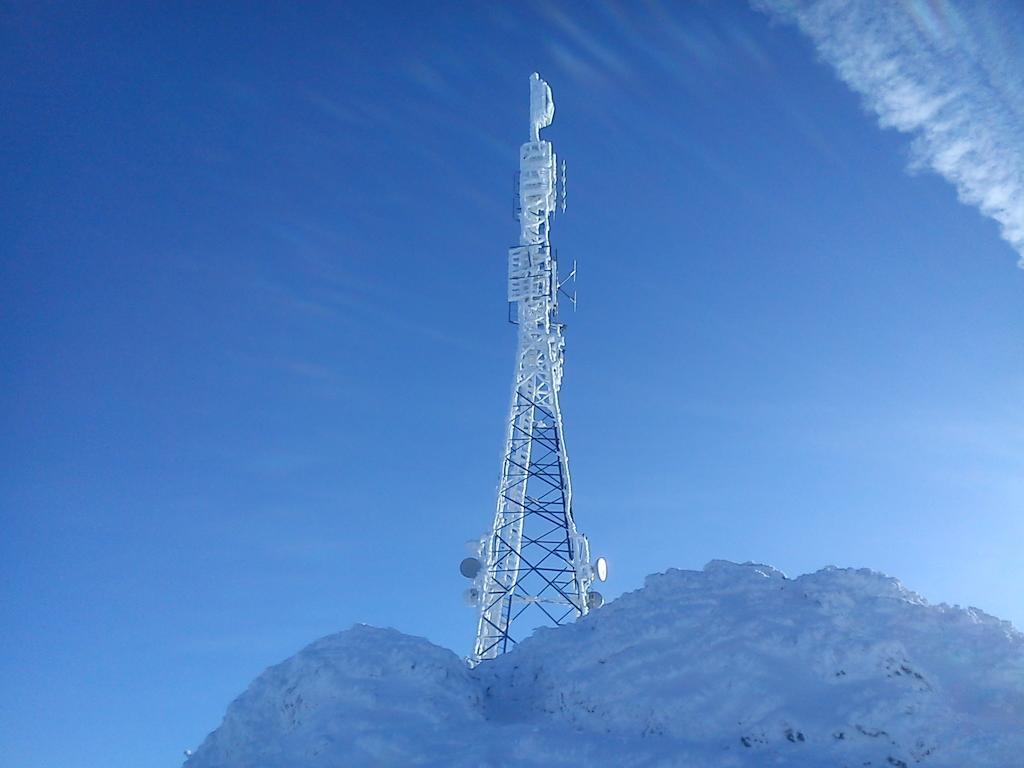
[(951, 75)]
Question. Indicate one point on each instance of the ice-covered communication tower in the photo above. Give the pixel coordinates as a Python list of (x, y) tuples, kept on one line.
[(533, 567)]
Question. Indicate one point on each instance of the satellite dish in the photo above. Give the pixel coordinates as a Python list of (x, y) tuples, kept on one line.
[(601, 568), (594, 599), (470, 567)]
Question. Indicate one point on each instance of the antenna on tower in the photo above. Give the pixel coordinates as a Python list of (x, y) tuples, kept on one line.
[(516, 210), (533, 567), (571, 278), (562, 177)]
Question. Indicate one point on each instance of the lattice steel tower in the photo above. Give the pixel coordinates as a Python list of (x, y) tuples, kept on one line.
[(533, 567)]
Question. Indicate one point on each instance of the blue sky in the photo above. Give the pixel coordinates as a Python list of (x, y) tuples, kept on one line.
[(256, 357)]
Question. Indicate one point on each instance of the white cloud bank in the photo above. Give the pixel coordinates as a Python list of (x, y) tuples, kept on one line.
[(952, 76)]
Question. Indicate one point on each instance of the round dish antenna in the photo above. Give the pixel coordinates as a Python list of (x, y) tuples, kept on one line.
[(470, 567)]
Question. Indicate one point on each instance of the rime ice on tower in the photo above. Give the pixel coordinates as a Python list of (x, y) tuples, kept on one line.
[(533, 567)]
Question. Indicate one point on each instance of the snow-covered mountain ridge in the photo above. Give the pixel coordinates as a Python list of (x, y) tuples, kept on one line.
[(735, 665)]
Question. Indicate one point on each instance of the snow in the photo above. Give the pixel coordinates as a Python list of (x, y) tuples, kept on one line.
[(735, 665)]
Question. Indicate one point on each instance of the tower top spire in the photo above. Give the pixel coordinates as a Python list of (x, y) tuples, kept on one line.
[(542, 106)]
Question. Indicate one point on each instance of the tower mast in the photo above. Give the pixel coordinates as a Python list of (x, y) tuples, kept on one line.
[(534, 566)]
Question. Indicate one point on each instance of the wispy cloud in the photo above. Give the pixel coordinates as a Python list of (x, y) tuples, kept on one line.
[(951, 75), (585, 40)]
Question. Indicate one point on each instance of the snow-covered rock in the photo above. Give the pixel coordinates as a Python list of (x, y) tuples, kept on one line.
[(735, 665)]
